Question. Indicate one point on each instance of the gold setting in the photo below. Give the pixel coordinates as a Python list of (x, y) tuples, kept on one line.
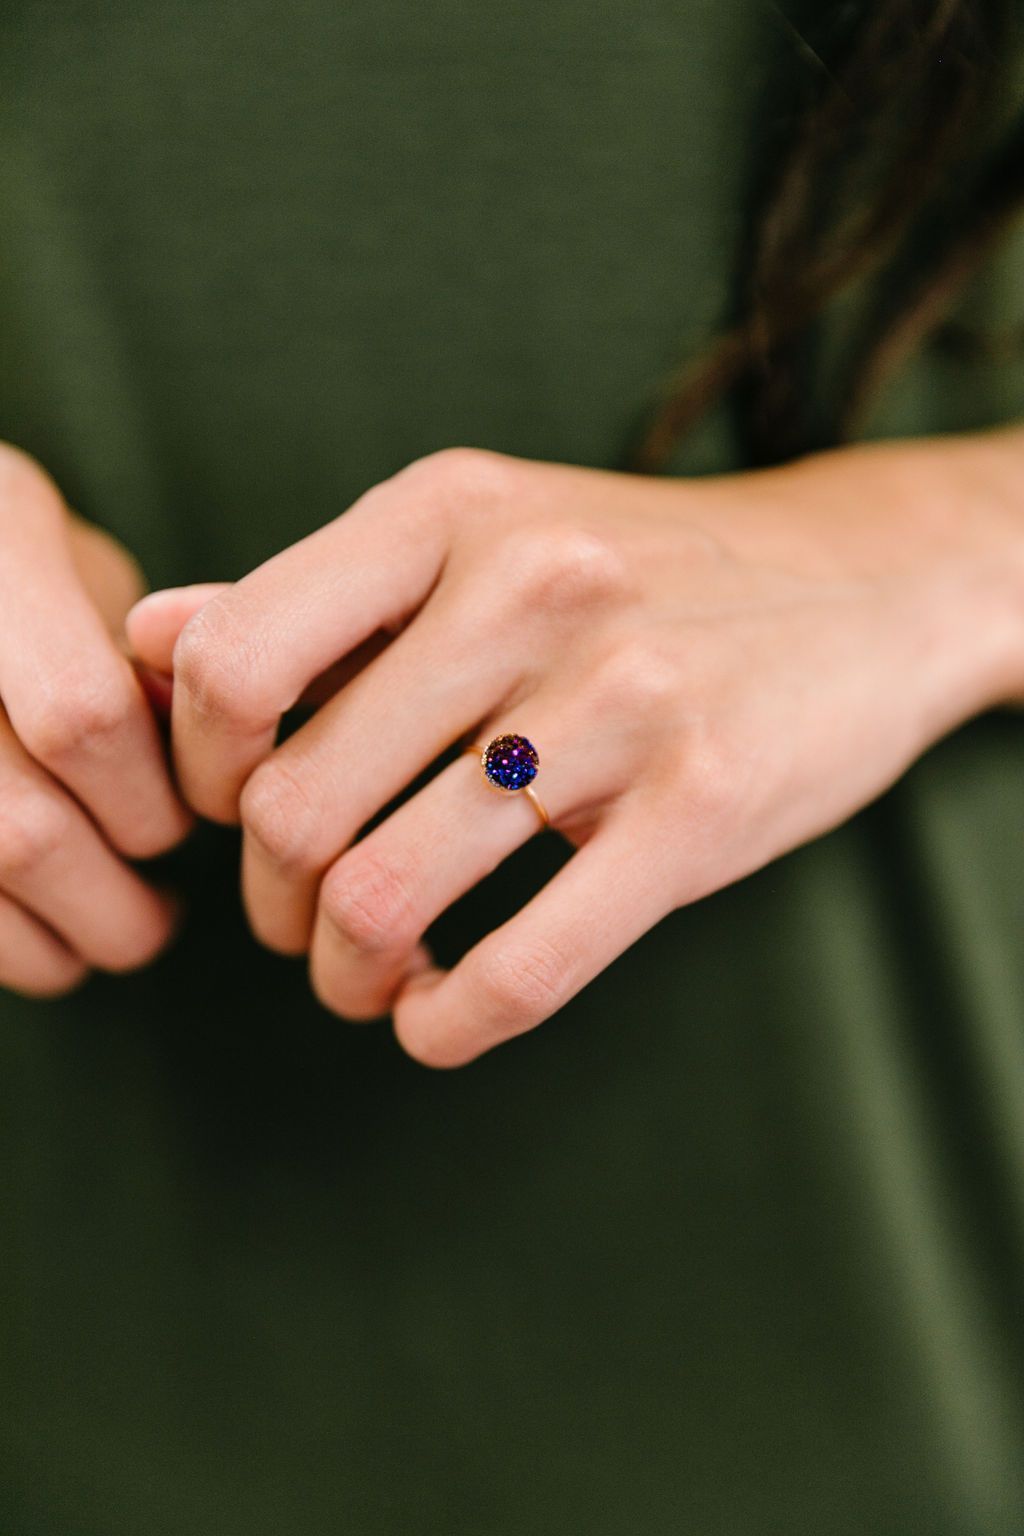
[(480, 753)]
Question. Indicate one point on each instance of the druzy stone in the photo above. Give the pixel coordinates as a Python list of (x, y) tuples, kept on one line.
[(510, 762)]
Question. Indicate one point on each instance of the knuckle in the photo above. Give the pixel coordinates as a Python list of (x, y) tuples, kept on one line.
[(635, 677), (215, 666), (33, 826), (369, 902), (521, 986), (78, 712), (24, 483), (279, 811), (464, 474), (564, 568)]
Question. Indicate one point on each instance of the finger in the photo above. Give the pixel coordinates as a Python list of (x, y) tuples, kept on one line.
[(152, 628), (599, 903), (380, 897), (111, 576), (153, 625), (33, 960), (54, 862), (72, 697), (307, 802), (246, 657)]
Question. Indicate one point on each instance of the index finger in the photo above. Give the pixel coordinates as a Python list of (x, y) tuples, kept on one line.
[(248, 655)]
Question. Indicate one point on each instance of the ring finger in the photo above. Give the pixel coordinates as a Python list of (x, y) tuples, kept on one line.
[(303, 806), (379, 898)]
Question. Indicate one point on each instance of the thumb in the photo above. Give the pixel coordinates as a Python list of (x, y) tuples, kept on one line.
[(155, 623)]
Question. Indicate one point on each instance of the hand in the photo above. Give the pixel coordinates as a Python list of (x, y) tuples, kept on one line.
[(712, 670), (83, 780)]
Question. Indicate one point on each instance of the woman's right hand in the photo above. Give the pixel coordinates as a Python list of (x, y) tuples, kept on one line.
[(84, 783)]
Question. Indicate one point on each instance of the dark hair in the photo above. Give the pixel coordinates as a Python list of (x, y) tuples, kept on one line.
[(895, 166)]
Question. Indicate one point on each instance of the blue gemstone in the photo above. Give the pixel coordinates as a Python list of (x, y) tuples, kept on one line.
[(511, 762)]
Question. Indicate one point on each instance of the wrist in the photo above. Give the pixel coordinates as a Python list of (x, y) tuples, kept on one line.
[(930, 532), (963, 499)]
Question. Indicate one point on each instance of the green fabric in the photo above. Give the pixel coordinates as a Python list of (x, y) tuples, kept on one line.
[(734, 1245)]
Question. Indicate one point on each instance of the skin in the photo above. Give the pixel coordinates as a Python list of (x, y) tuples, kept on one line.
[(713, 670), (84, 785)]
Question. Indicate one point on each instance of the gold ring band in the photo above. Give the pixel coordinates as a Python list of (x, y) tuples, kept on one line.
[(480, 752)]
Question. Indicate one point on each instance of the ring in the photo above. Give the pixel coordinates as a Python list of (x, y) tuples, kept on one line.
[(510, 763)]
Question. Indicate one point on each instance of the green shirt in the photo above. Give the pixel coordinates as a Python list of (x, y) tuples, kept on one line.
[(734, 1246)]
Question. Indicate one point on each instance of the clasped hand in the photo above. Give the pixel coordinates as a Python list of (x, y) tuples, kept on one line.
[(713, 671)]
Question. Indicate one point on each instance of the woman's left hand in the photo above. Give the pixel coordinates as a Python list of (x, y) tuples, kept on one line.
[(713, 671)]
